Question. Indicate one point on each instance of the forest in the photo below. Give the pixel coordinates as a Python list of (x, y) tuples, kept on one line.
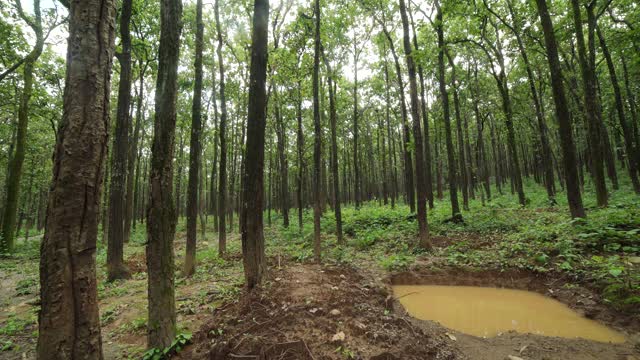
[(323, 179)]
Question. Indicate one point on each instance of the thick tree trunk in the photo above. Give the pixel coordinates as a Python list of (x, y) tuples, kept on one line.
[(253, 179), (161, 219), (116, 268), (69, 321), (195, 150), (562, 113)]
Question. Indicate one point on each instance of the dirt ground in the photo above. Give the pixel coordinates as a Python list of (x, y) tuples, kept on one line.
[(328, 312), (317, 312)]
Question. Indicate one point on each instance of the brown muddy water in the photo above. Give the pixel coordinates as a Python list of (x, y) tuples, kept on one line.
[(487, 312)]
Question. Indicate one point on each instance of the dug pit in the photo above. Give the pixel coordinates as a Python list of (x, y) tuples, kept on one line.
[(488, 312), (492, 314)]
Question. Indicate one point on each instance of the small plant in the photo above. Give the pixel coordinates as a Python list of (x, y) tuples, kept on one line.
[(176, 346)]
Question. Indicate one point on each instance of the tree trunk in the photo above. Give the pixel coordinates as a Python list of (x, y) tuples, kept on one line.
[(116, 268), (282, 159), (464, 177), (161, 219), (300, 147), (453, 191), (423, 229), (317, 145), (222, 182), (69, 321), (195, 150), (253, 179), (132, 162), (334, 153), (587, 67), (627, 132), (562, 113)]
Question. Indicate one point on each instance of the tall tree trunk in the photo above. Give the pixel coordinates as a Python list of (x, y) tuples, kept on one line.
[(317, 145), (161, 221), (391, 165), (562, 113), (408, 162), (587, 68), (356, 161), (334, 153), (464, 177), (116, 268), (69, 321), (425, 122), (195, 150), (132, 161), (423, 229), (222, 133), (627, 132), (282, 159), (253, 179), (451, 170), (632, 108), (7, 241)]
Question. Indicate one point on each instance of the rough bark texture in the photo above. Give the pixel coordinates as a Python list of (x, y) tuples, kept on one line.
[(161, 219), (253, 180), (116, 268), (421, 205), (562, 113), (69, 322), (195, 150)]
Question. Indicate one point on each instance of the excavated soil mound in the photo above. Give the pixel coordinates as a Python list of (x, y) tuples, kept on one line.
[(317, 312)]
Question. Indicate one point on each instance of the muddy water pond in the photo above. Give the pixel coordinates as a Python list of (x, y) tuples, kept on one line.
[(487, 312)]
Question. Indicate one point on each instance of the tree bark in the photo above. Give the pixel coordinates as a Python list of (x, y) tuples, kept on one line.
[(423, 229), (453, 191), (69, 321), (587, 68), (334, 153), (195, 150), (161, 219), (562, 113), (116, 269), (317, 145), (253, 180), (222, 182)]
